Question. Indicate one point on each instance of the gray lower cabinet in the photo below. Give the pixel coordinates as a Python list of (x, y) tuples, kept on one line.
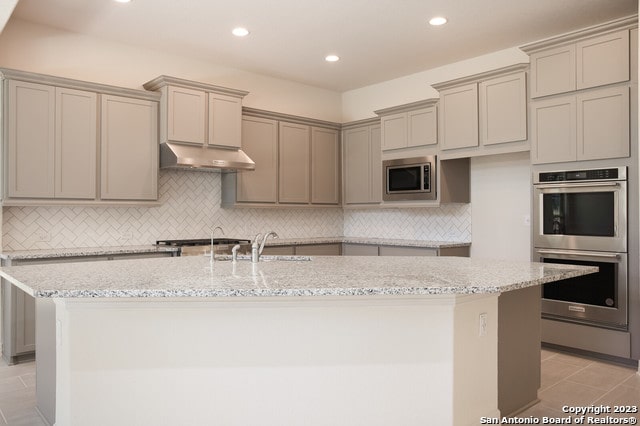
[(329, 249), (351, 249), (19, 308)]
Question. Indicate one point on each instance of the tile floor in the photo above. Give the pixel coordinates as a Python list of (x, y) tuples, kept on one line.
[(579, 381), (566, 380)]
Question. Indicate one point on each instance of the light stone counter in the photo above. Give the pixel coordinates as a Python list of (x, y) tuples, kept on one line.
[(196, 276), (333, 340), (367, 240), (83, 252)]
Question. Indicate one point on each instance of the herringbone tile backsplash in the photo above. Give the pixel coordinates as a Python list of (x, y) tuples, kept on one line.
[(191, 208)]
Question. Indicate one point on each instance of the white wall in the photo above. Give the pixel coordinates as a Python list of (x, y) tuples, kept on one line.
[(360, 103), (501, 198), (31, 47)]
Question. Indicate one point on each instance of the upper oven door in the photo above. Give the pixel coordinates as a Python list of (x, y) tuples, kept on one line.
[(581, 216)]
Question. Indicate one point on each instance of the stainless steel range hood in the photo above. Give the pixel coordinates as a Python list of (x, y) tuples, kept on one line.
[(176, 156)]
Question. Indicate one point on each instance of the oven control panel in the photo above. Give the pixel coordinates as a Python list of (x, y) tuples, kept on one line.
[(614, 173)]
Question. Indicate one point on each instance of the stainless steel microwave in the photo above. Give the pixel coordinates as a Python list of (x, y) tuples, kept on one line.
[(409, 179)]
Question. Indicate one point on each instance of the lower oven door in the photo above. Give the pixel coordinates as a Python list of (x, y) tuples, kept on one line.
[(595, 299)]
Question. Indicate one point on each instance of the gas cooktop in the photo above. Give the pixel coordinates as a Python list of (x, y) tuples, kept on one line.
[(200, 242)]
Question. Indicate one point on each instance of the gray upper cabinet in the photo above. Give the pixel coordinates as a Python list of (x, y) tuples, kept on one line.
[(484, 113), (198, 113), (225, 120), (31, 140), (553, 71), (593, 57), (52, 142), (459, 117), (185, 114), (260, 143), (409, 125), (293, 163), (362, 163), (56, 136), (76, 143), (590, 120), (129, 155), (297, 162), (325, 166), (503, 109), (602, 60), (590, 125)]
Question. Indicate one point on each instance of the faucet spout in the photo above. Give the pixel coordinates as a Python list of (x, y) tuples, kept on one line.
[(264, 240), (212, 234)]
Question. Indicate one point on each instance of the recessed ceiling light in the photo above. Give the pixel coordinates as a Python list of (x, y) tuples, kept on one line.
[(122, 1), (240, 32), (438, 20), (332, 58)]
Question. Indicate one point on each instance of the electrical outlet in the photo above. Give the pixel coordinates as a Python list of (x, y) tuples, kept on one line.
[(482, 321)]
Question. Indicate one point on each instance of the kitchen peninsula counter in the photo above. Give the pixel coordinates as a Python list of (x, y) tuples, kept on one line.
[(331, 340), (197, 276)]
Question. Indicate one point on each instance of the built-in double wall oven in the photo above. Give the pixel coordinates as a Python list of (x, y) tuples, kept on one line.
[(580, 217)]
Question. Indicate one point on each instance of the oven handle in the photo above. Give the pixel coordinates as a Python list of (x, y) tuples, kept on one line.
[(577, 185), (574, 253)]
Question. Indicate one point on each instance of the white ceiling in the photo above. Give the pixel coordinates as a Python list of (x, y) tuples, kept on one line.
[(377, 40)]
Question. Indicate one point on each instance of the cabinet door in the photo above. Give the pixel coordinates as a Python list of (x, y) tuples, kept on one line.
[(362, 165), (459, 117), (553, 71), (422, 127), (325, 166), (407, 251), (293, 163), (31, 140), (186, 115), (602, 60), (375, 164), (225, 120), (129, 149), (260, 142), (319, 250), (25, 337), (553, 130), (603, 123), (394, 131), (359, 250), (76, 141), (503, 109)]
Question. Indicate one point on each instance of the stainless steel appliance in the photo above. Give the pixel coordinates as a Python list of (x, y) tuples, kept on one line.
[(580, 217), (409, 179), (194, 247), (596, 299), (581, 209)]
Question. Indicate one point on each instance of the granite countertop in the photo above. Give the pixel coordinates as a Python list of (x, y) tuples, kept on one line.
[(151, 248), (196, 276), (83, 251), (366, 240)]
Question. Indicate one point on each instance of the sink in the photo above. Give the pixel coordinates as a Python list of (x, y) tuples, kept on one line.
[(266, 258)]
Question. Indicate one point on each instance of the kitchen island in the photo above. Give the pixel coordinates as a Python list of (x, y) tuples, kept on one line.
[(325, 341)]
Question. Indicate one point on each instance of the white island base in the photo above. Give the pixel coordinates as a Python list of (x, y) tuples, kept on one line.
[(372, 360)]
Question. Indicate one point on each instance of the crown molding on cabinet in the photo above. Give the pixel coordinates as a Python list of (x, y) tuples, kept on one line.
[(260, 113), (30, 77), (359, 123), (165, 80), (481, 76), (407, 107), (606, 27)]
